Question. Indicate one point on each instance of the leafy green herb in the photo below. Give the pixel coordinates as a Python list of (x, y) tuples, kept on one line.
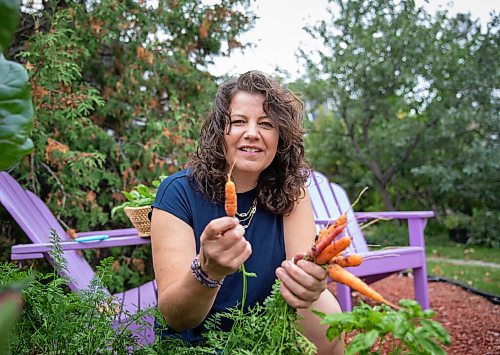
[(55, 321), (140, 196), (270, 328), (409, 330)]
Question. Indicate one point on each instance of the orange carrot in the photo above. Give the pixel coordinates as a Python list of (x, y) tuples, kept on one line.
[(332, 250), (347, 260), (339, 274), (321, 235), (341, 221), (231, 202), (318, 247)]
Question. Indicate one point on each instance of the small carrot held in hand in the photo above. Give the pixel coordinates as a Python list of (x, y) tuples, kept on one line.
[(231, 203), (338, 274), (332, 250), (347, 260)]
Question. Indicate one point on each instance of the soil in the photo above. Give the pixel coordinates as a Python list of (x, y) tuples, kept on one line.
[(472, 321)]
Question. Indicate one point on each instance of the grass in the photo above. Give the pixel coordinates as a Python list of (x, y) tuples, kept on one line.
[(483, 278), (438, 245), (464, 252), (479, 277)]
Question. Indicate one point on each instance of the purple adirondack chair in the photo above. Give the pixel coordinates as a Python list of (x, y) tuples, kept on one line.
[(329, 201), (34, 217)]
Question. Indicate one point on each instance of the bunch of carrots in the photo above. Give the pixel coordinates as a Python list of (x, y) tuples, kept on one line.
[(327, 250)]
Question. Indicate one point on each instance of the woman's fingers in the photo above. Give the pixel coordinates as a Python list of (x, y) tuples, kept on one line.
[(293, 300), (312, 269), (223, 247), (217, 227), (302, 284)]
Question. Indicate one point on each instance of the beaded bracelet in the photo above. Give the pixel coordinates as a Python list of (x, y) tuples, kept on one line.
[(201, 276)]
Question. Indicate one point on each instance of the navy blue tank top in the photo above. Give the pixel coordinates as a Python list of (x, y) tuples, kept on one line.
[(178, 196)]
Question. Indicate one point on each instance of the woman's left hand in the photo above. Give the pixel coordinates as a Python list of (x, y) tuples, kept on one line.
[(302, 283)]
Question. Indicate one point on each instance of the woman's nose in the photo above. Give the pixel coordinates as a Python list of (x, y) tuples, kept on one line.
[(252, 131)]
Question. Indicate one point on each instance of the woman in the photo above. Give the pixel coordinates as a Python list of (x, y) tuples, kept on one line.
[(257, 125)]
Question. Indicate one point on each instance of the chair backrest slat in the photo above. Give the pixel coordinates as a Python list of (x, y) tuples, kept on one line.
[(15, 200), (329, 201), (35, 218)]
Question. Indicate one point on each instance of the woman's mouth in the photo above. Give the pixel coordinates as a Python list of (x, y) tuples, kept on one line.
[(250, 150)]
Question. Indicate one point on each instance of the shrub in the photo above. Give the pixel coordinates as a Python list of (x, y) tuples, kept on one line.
[(485, 227)]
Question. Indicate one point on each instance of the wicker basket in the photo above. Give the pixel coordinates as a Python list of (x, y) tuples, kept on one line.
[(139, 218)]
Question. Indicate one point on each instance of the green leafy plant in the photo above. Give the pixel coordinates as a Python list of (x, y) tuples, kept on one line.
[(406, 331), (140, 196), (56, 321), (268, 328), (16, 108)]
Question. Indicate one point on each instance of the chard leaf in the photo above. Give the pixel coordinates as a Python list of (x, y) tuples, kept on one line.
[(362, 342), (16, 112), (9, 18), (430, 347)]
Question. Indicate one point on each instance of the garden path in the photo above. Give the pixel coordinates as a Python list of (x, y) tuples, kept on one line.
[(465, 262)]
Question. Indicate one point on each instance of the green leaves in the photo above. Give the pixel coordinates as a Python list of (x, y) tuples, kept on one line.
[(270, 328), (56, 321), (362, 342), (403, 331), (9, 18), (16, 109), (140, 196)]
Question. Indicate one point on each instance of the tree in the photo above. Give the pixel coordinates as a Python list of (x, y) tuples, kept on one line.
[(408, 99), (119, 88)]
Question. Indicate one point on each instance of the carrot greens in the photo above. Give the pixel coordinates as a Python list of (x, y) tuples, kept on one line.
[(270, 328)]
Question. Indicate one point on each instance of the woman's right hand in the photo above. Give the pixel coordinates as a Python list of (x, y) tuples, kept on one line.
[(223, 247)]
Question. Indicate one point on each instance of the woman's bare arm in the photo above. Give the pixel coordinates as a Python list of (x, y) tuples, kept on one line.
[(183, 301)]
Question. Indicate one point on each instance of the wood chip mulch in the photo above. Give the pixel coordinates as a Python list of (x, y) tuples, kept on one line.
[(472, 321)]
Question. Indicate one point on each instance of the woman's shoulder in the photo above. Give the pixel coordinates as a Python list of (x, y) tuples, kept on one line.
[(179, 177), (175, 184)]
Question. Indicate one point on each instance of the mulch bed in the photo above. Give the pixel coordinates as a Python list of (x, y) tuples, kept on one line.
[(472, 321)]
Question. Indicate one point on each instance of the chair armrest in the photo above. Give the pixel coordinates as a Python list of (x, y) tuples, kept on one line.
[(395, 214), (30, 251), (112, 233), (417, 221)]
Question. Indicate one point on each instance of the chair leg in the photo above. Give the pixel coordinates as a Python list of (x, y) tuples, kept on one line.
[(420, 286), (344, 297)]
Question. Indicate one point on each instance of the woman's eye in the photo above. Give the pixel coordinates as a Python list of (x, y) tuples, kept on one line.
[(237, 122), (266, 124)]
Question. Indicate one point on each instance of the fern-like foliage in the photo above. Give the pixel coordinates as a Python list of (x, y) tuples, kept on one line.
[(270, 328)]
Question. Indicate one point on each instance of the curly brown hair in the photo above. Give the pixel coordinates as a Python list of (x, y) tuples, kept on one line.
[(282, 183)]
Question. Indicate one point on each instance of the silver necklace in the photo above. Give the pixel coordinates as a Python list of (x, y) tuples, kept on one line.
[(248, 215)]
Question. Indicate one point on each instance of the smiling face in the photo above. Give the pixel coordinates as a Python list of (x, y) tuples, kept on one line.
[(251, 139)]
